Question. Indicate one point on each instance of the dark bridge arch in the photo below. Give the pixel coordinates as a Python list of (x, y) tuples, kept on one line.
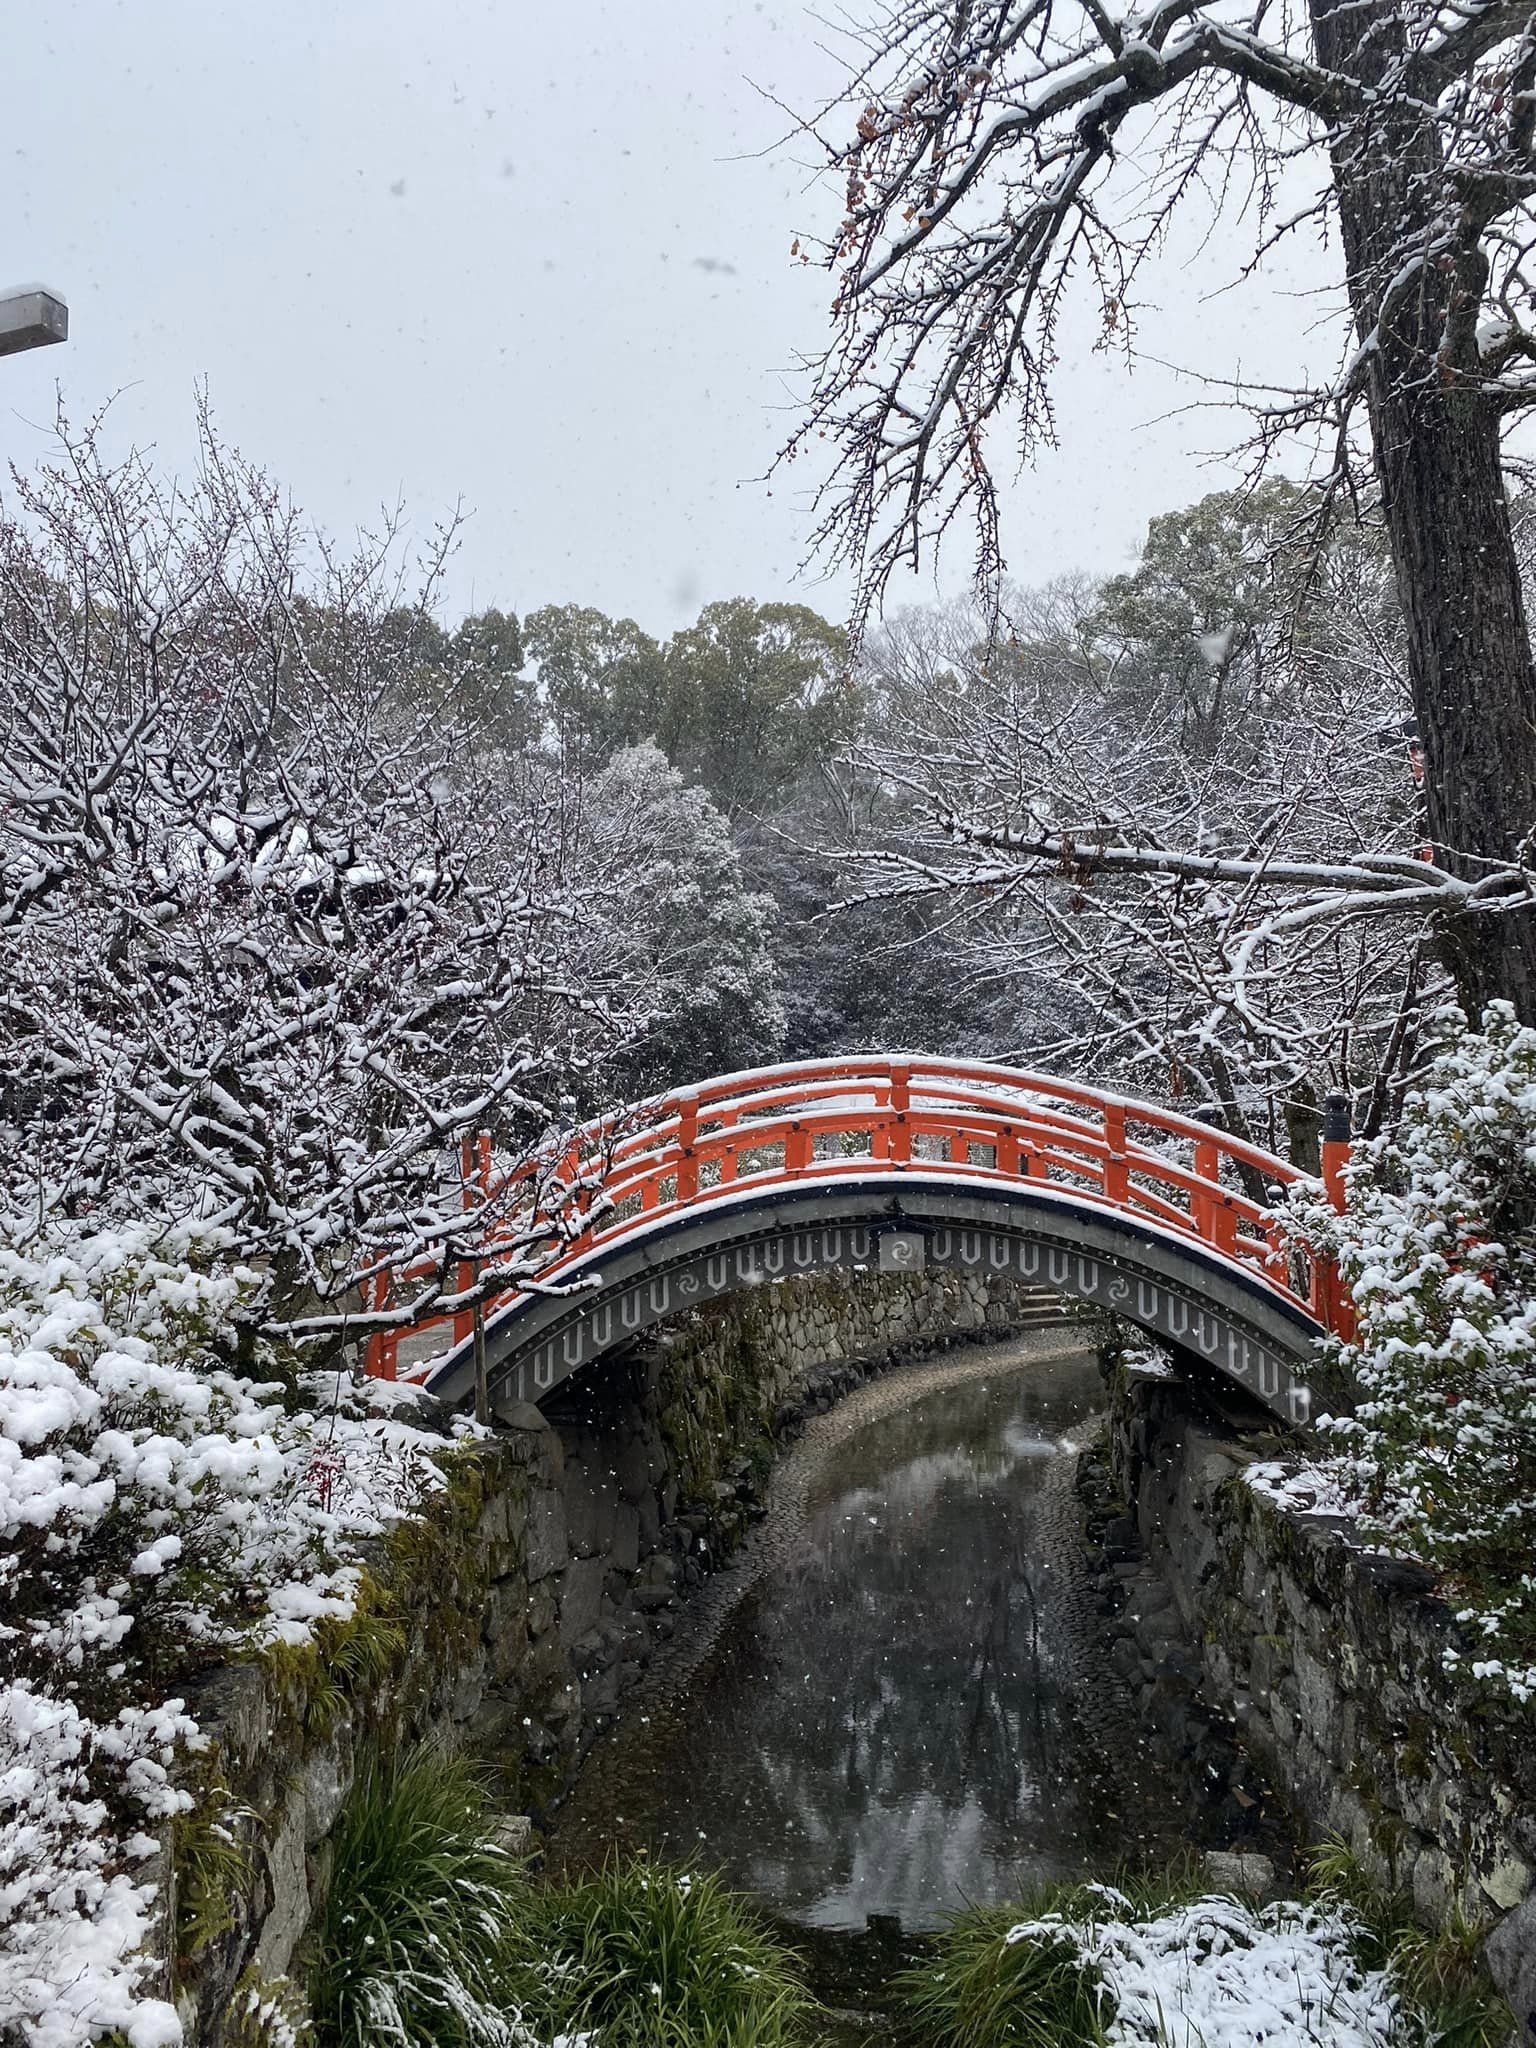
[(896, 1164)]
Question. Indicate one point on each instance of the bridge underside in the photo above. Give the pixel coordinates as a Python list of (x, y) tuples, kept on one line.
[(1169, 1284)]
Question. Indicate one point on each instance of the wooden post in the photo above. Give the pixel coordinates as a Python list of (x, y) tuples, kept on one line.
[(1339, 1310), (1117, 1172), (687, 1139), (901, 1104), (1202, 1204), (1336, 1147)]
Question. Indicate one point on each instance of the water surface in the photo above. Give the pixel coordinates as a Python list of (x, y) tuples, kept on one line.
[(886, 1726)]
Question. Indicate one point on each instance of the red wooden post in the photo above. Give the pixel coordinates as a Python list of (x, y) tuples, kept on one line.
[(1117, 1172), (1336, 1147), (1208, 1170), (901, 1105), (1338, 1309), (380, 1354), (798, 1151), (881, 1122), (687, 1138)]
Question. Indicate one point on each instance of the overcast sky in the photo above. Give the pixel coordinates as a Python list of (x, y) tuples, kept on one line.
[(529, 256)]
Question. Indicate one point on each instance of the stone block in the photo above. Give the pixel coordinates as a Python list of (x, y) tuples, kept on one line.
[(632, 1468), (1282, 1724), (548, 1549), (522, 1415), (1435, 1886), (468, 1691), (1317, 1700), (504, 1618), (1219, 1670), (1511, 1953), (591, 1507), (1245, 1874), (543, 1609), (323, 1790), (513, 1832), (497, 1722), (288, 1878), (1504, 1878), (624, 1551), (581, 1599)]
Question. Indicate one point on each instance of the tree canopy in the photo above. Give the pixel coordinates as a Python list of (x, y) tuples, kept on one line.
[(999, 155)]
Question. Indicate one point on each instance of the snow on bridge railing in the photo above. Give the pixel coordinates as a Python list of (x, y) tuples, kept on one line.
[(862, 1117)]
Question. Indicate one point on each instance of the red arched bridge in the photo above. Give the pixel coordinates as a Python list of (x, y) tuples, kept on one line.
[(894, 1164)]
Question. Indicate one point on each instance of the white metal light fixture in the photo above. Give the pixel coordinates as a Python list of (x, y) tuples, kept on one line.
[(31, 316)]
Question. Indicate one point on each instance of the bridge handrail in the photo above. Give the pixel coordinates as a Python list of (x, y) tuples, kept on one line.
[(1016, 1081)]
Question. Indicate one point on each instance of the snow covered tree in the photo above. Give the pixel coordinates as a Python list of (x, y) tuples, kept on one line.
[(278, 928), (1006, 150), (754, 692), (1203, 964), (693, 936), (600, 679)]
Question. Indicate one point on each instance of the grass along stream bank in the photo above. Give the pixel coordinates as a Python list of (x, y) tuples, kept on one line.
[(436, 1936)]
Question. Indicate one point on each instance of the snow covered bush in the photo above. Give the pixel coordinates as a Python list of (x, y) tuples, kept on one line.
[(157, 1512), (1438, 1248)]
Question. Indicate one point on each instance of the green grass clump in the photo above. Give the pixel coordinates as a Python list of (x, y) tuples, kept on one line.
[(979, 1990), (646, 1957), (423, 1917), (435, 1937), (1440, 1973)]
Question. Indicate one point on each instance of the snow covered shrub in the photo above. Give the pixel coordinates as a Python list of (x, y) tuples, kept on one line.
[(1162, 1966), (1438, 1248), (282, 922), (156, 1512)]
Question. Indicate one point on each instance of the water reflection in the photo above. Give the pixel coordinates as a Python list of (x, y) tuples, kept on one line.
[(888, 1728)]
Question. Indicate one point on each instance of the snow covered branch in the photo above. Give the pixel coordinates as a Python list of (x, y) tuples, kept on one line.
[(282, 925)]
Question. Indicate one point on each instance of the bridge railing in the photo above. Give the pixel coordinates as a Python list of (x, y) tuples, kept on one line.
[(828, 1120)]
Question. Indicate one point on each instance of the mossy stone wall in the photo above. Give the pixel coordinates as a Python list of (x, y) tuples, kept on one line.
[(1331, 1661)]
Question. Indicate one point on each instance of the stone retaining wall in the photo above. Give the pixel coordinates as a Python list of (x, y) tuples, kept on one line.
[(1330, 1661), (513, 1615)]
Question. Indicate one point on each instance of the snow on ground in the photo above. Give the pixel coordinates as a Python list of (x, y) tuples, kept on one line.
[(1217, 1971), (147, 1494)]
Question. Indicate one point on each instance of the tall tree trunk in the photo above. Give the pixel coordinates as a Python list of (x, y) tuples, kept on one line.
[(1436, 445)]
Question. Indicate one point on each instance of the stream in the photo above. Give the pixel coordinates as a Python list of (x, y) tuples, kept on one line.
[(897, 1708)]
